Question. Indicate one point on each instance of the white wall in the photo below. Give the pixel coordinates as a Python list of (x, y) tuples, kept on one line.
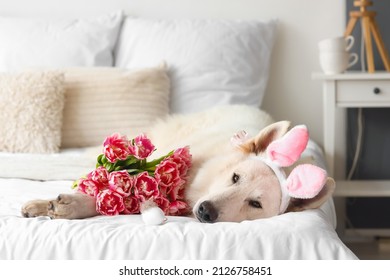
[(291, 93)]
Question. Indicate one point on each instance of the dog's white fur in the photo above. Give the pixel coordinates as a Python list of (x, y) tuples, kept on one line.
[(226, 183)]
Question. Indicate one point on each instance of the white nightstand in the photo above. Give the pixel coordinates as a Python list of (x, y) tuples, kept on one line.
[(350, 90)]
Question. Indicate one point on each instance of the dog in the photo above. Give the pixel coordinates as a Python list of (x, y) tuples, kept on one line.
[(227, 183)]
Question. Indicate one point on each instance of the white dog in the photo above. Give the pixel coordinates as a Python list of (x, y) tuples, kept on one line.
[(226, 183)]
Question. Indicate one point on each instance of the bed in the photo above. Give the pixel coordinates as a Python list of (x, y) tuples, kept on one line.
[(90, 77), (305, 235)]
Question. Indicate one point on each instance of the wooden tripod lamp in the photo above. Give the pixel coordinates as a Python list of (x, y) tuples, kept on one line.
[(369, 26)]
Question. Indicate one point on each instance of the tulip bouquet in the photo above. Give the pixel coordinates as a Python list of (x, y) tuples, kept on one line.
[(124, 177)]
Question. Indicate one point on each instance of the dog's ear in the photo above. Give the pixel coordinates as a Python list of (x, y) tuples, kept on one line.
[(268, 134), (298, 204)]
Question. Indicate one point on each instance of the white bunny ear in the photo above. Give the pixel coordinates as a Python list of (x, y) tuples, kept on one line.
[(306, 181), (239, 138), (288, 149)]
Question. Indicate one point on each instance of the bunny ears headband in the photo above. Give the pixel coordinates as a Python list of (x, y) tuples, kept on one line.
[(306, 180)]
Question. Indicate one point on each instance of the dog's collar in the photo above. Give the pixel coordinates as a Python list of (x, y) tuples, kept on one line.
[(282, 178)]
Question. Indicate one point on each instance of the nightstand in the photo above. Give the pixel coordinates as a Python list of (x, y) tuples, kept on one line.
[(350, 90)]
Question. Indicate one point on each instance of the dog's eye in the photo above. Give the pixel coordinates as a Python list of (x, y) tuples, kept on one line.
[(255, 204), (235, 178)]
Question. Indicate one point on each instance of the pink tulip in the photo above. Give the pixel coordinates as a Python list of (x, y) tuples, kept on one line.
[(132, 205), (141, 147), (121, 182), (146, 186), (184, 154), (167, 175), (88, 186), (100, 176), (163, 203), (116, 147), (109, 203), (178, 208)]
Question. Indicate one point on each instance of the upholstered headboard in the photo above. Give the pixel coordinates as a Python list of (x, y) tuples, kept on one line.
[(291, 94)]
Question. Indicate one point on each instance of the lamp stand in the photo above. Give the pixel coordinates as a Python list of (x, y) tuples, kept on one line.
[(369, 26)]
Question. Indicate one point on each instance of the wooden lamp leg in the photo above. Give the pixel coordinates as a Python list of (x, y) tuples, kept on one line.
[(351, 25), (368, 43), (380, 44)]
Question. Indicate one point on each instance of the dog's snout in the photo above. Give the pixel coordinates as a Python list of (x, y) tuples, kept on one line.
[(207, 213)]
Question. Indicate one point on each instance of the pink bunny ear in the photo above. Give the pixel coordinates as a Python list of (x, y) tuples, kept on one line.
[(306, 181), (287, 150)]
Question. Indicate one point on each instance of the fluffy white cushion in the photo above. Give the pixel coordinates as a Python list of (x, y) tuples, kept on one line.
[(29, 42), (101, 101), (31, 106), (212, 62)]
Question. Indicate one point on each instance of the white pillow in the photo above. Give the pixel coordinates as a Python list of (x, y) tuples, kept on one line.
[(102, 100), (27, 42), (212, 62)]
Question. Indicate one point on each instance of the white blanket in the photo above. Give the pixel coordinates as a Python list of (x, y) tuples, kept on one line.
[(304, 235), (68, 164)]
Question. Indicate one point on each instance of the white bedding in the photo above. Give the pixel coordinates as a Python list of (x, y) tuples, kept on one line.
[(68, 164), (305, 235)]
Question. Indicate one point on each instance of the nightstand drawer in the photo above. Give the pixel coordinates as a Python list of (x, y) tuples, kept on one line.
[(365, 92)]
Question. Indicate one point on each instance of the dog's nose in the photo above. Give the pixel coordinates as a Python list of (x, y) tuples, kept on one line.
[(207, 213)]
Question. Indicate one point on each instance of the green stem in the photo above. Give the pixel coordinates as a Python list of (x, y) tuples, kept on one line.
[(157, 161)]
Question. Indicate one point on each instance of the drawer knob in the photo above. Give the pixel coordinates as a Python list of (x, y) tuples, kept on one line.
[(377, 90)]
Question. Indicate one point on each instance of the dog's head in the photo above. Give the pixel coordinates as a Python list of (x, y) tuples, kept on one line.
[(245, 185)]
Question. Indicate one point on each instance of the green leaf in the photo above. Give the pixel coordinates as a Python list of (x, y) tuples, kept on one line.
[(132, 166), (99, 159), (117, 168), (134, 171), (109, 166), (130, 160), (150, 169), (75, 184), (142, 163)]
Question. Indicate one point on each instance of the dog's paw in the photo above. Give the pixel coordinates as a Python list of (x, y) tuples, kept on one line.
[(62, 207), (66, 206), (35, 208), (72, 206)]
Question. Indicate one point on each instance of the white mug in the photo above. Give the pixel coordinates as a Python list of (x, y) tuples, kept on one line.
[(337, 62), (336, 44)]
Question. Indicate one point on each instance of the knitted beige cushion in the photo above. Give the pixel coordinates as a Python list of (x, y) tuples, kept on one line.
[(31, 106), (101, 101)]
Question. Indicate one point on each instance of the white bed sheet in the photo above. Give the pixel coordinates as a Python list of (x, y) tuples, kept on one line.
[(305, 235)]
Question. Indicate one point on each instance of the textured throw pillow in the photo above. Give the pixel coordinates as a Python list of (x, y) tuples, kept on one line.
[(31, 107), (101, 101), (28, 43), (212, 62)]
